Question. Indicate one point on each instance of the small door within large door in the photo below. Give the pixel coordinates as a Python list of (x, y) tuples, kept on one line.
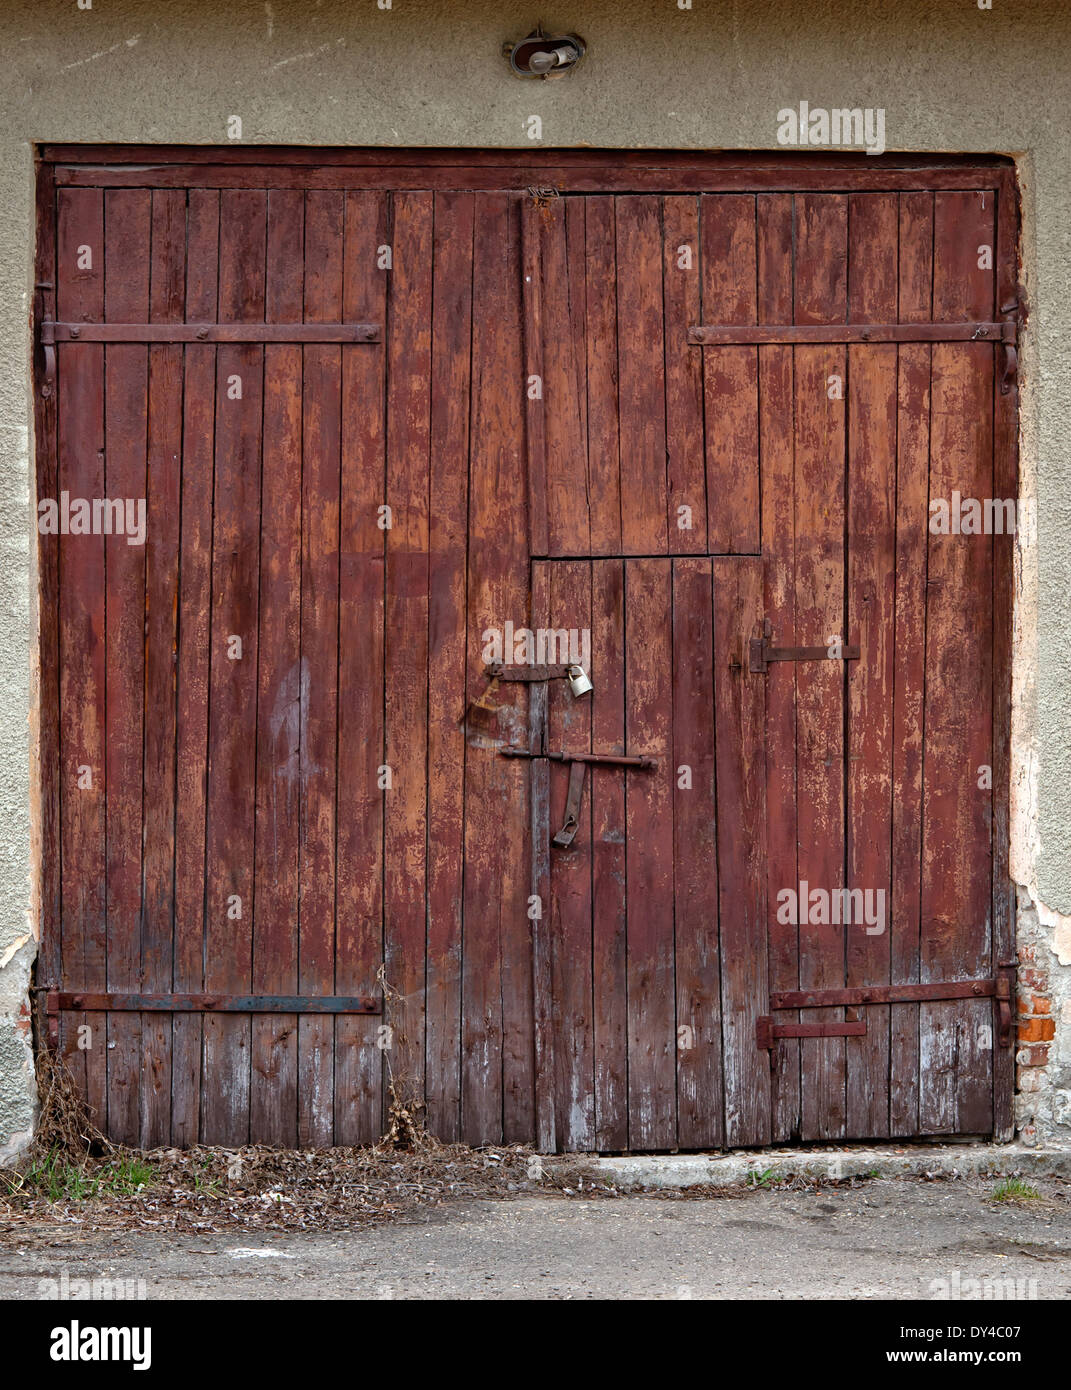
[(651, 966)]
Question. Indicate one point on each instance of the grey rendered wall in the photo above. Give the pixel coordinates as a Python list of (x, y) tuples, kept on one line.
[(951, 77)]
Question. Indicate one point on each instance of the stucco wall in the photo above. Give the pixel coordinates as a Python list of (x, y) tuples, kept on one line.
[(950, 76)]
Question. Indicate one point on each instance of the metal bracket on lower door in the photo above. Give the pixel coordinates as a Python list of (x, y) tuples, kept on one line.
[(1000, 988)]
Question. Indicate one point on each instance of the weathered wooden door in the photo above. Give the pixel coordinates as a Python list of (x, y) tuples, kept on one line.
[(309, 431)]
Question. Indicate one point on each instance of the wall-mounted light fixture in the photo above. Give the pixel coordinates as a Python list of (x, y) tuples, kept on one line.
[(543, 55)]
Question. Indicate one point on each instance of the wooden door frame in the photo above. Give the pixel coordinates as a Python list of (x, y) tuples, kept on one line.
[(566, 171)]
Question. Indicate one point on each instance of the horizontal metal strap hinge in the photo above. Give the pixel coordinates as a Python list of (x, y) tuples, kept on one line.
[(743, 335), (999, 987), (83, 1000), (208, 333)]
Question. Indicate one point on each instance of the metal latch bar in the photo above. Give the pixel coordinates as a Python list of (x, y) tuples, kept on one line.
[(578, 764), (767, 1032), (762, 652), (744, 335)]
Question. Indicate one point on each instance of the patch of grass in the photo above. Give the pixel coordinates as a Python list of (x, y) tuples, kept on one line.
[(1015, 1190), (56, 1178), (764, 1179), (125, 1175)]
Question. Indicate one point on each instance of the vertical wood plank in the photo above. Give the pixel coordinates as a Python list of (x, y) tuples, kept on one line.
[(609, 929), (46, 772), (912, 492), (451, 362), (700, 1097), (406, 660), (274, 1046), (741, 789), (687, 483), (194, 659), (232, 751), (361, 752), (569, 730), (320, 494), (543, 1008), (167, 304), (820, 296), (778, 509), (730, 374), (873, 224), (80, 472), (641, 364), (1005, 484), (497, 862), (563, 311), (512, 875), (604, 464), (127, 228), (535, 436), (956, 1039), (649, 820)]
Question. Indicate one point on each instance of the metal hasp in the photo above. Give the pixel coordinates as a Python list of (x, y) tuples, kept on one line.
[(578, 763)]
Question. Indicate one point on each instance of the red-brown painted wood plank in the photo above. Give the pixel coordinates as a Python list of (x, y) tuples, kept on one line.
[(232, 748), (956, 1040), (511, 819), (912, 490), (167, 303), (448, 507), (274, 1043), (820, 297), (194, 650), (127, 230), (700, 1095), (776, 444), (873, 224), (321, 476), (46, 773), (359, 947), (564, 384), (649, 821), (730, 374), (686, 490), (741, 789), (569, 720), (408, 435), (80, 472), (641, 363), (497, 861), (1005, 484), (604, 420), (609, 927)]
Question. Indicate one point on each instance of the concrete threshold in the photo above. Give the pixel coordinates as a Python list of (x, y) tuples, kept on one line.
[(885, 1161)]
